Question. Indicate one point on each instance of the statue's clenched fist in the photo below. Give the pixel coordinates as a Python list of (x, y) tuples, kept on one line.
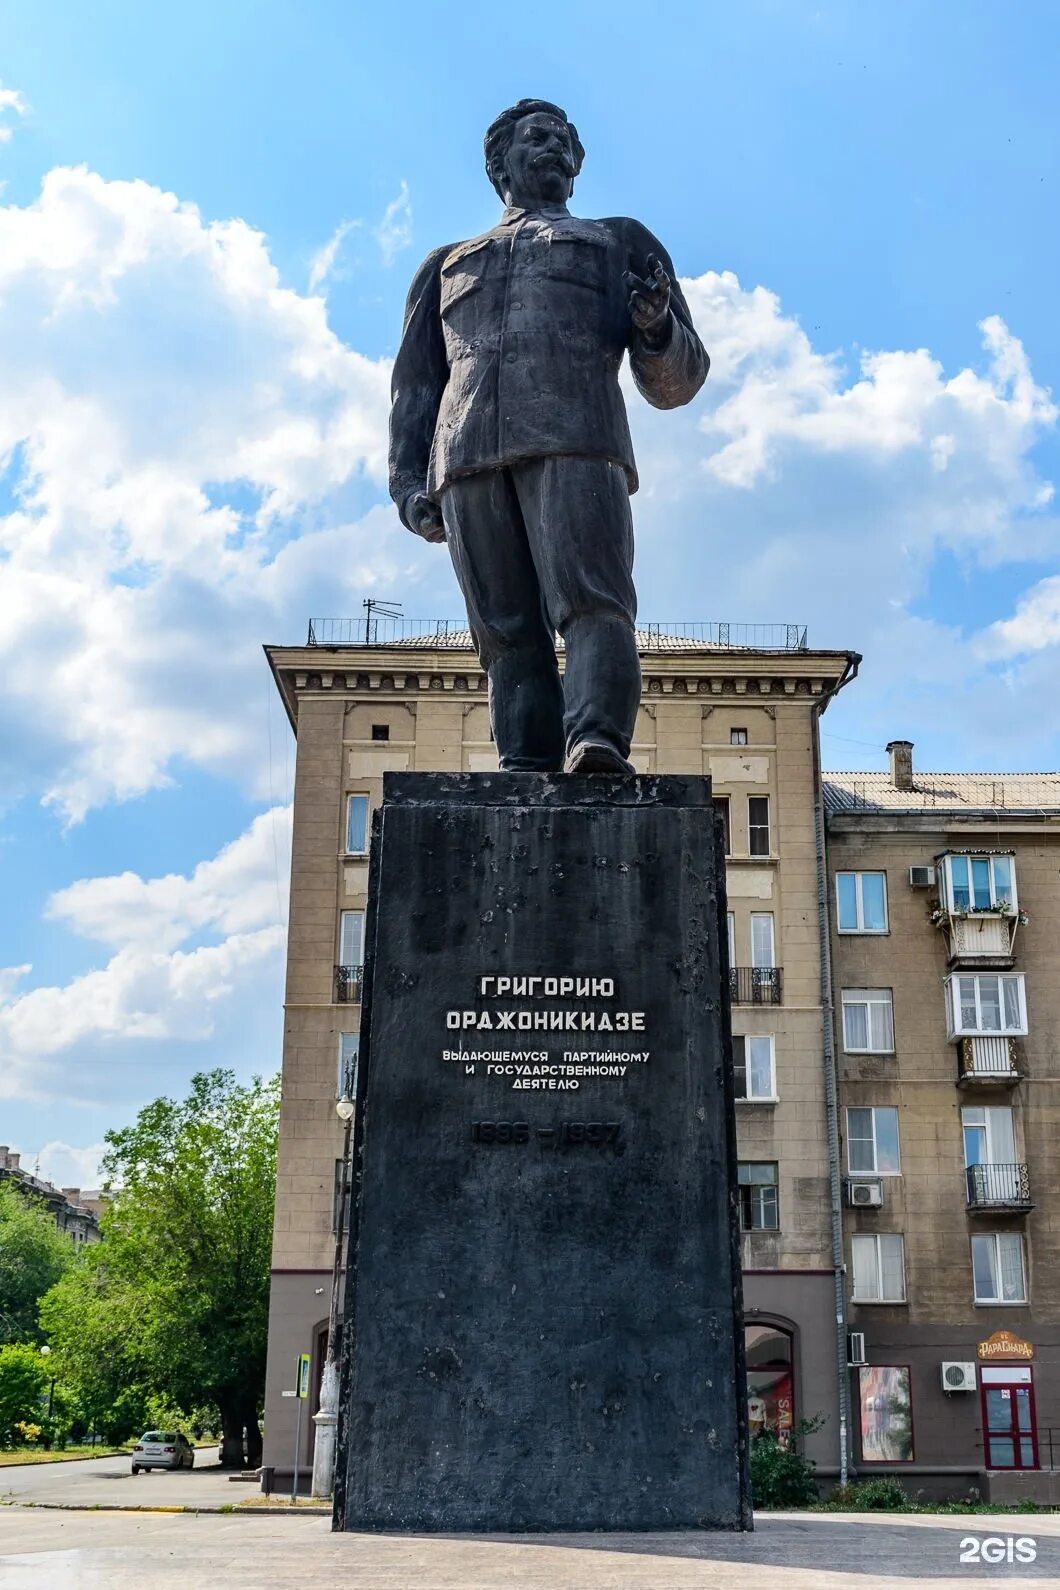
[(649, 301), (424, 516)]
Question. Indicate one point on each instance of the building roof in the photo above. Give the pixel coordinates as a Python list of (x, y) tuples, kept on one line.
[(942, 792)]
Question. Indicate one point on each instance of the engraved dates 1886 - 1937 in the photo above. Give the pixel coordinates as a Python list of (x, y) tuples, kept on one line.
[(565, 1134)]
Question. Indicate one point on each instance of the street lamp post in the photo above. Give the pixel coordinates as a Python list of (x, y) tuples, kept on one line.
[(326, 1417)]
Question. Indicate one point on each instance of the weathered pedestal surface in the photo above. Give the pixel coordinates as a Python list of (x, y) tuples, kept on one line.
[(544, 1323)]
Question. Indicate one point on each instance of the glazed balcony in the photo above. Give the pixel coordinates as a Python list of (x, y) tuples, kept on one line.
[(977, 908), (756, 985), (998, 1189), (348, 981)]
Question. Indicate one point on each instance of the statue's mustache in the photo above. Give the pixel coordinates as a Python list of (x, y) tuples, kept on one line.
[(561, 162)]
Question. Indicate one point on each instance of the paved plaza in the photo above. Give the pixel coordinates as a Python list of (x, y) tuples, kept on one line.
[(84, 1550)]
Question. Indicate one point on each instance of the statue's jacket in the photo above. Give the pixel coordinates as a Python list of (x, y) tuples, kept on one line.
[(512, 346)]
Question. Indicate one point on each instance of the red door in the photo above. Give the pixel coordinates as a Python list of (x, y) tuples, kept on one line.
[(1010, 1433)]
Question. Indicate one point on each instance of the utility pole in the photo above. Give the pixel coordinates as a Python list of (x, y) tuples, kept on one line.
[(326, 1418)]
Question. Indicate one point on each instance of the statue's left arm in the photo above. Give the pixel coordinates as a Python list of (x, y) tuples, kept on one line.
[(668, 362)]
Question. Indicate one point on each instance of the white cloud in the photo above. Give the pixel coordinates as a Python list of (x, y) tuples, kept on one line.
[(172, 416), (241, 887), (14, 103), (160, 983), (394, 231), (64, 1165), (1034, 625), (322, 267), (792, 489)]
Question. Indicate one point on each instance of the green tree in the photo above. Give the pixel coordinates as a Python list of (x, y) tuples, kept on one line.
[(22, 1380), (34, 1253), (173, 1302)]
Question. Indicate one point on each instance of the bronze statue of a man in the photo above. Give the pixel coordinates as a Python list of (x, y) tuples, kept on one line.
[(509, 440)]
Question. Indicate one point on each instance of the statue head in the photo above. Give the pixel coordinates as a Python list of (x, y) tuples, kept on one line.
[(533, 154)]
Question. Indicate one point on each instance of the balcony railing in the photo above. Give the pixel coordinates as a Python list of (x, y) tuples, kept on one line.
[(990, 1060), (980, 937), (998, 1187), (348, 984), (755, 985)]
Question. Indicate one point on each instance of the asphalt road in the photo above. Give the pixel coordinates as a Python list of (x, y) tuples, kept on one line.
[(118, 1551), (89, 1482)]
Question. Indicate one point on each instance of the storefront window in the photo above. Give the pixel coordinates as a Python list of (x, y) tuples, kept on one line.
[(770, 1384), (886, 1414)]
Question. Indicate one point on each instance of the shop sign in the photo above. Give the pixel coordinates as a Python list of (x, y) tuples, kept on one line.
[(1004, 1345)]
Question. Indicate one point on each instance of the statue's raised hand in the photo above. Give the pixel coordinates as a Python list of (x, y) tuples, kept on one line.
[(424, 517), (649, 301)]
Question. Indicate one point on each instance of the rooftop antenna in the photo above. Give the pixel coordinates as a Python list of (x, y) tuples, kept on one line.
[(382, 610)]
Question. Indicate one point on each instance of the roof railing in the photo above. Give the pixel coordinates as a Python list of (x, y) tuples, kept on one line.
[(377, 630)]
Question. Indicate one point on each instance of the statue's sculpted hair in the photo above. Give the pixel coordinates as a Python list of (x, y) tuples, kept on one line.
[(501, 131)]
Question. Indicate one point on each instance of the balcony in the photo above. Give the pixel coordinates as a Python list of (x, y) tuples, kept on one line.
[(980, 938), (755, 985), (998, 1189), (988, 1061), (348, 984)]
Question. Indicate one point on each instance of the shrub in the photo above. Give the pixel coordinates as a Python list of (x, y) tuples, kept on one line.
[(22, 1381), (780, 1475), (882, 1495)]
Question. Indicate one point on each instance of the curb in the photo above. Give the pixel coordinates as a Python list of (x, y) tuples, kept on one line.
[(238, 1509)]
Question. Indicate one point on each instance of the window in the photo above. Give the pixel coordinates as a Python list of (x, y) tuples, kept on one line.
[(986, 1002), (762, 940), (979, 883), (758, 1196), (989, 1135), (998, 1274), (879, 1269), (721, 806), (861, 901), (351, 938), (737, 736), (868, 1021), (886, 1414), (349, 1045), (730, 923), (337, 1198), (755, 1067), (758, 825), (380, 731), (872, 1142), (356, 825), (770, 1388)]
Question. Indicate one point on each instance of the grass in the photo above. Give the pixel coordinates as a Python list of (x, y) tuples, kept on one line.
[(930, 1507), (36, 1454), (316, 1503)]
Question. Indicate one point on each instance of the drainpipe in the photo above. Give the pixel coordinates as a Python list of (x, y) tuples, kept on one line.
[(831, 1081)]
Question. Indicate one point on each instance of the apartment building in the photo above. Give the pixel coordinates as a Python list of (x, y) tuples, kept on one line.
[(74, 1212), (740, 705), (945, 893)]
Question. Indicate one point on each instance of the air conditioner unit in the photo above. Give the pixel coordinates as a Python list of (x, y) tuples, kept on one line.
[(958, 1377), (864, 1195), (921, 877), (856, 1348)]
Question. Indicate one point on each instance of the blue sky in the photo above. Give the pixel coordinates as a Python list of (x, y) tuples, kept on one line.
[(209, 220)]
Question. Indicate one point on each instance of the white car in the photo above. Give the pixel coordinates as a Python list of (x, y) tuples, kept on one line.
[(162, 1449)]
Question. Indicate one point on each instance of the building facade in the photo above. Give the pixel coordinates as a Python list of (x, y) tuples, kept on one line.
[(944, 891), (747, 715), (74, 1212)]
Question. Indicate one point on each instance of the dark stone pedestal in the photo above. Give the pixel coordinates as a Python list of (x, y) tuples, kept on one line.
[(544, 1322)]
